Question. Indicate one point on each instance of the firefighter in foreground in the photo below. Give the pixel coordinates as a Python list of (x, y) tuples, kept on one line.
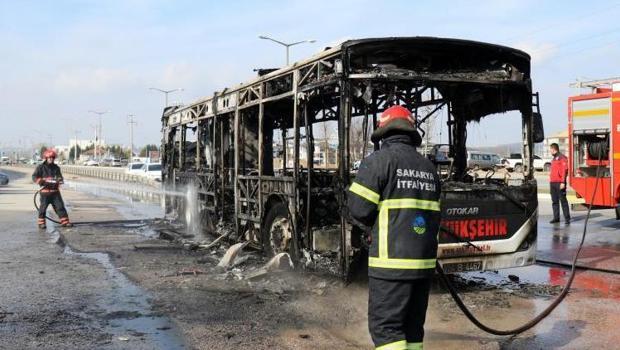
[(557, 184), (396, 191), (48, 176)]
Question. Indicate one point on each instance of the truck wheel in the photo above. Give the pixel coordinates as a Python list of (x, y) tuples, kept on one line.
[(617, 213), (547, 167), (518, 168), (277, 232)]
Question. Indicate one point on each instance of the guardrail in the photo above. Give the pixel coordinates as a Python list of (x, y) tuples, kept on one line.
[(113, 174)]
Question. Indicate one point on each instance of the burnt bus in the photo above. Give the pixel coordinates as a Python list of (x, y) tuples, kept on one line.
[(273, 157)]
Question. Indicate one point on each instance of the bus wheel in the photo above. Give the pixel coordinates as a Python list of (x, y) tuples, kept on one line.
[(518, 168), (277, 236)]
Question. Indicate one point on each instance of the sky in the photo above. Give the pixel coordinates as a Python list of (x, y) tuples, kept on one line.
[(60, 59)]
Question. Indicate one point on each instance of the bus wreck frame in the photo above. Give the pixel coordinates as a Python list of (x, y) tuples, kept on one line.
[(223, 145)]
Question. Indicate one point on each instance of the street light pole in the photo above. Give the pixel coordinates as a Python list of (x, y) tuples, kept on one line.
[(166, 92), (131, 123), (98, 131), (75, 149), (286, 45)]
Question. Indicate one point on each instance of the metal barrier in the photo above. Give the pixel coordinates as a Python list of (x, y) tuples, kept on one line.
[(113, 174)]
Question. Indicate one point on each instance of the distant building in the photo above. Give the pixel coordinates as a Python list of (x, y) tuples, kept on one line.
[(62, 151), (561, 138), (84, 143)]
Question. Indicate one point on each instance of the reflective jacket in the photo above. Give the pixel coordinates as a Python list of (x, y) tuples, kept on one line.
[(396, 191), (48, 176), (559, 168)]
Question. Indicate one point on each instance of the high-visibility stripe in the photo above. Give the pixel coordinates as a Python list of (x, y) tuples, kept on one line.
[(384, 220), (616, 155), (415, 346), (590, 113), (384, 261), (365, 192), (409, 203), (397, 345), (402, 264)]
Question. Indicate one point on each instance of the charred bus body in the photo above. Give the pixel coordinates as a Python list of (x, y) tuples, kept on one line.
[(251, 151)]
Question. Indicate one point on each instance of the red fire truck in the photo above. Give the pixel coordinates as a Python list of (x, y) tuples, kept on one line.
[(594, 143)]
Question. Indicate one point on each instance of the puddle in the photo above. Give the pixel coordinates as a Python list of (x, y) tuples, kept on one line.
[(128, 310)]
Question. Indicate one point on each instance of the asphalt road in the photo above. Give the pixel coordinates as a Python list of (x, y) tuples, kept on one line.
[(54, 298)]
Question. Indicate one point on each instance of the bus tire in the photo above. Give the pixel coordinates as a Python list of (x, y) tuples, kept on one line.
[(277, 231)]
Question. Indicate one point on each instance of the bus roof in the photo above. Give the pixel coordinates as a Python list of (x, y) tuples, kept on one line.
[(472, 50)]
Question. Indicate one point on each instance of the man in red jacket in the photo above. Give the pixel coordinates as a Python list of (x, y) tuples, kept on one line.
[(557, 184)]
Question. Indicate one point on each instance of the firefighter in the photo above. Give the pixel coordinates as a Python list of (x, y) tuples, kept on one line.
[(396, 191), (557, 184), (48, 176)]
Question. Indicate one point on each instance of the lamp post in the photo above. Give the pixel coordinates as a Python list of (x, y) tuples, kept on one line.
[(286, 45), (131, 123), (98, 130), (75, 149), (166, 92)]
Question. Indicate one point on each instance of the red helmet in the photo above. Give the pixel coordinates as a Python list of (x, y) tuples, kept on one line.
[(49, 153), (396, 119)]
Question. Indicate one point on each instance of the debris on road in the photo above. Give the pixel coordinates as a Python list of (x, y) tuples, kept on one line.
[(280, 262), (231, 254)]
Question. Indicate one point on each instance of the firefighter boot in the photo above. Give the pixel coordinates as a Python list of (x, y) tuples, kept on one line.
[(64, 222)]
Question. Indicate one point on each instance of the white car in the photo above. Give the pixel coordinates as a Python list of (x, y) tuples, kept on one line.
[(135, 168), (152, 171), (515, 162), (542, 163), (92, 162)]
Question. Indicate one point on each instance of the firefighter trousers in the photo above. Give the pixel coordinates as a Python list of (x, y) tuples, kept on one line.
[(55, 199), (397, 311), (558, 196)]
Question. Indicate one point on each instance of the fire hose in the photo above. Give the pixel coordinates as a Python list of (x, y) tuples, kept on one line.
[(542, 315), (34, 199)]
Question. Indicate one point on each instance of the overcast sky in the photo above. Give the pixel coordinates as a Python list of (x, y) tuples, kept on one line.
[(59, 59)]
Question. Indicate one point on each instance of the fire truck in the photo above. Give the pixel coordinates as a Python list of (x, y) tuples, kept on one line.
[(594, 143)]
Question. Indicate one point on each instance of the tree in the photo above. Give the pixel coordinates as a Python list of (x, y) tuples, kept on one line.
[(72, 156), (144, 152)]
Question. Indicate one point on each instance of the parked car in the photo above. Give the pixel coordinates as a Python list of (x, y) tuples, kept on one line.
[(514, 162), (439, 154), (152, 171), (116, 163), (542, 164), (4, 179), (135, 168), (91, 162), (497, 161), (482, 160)]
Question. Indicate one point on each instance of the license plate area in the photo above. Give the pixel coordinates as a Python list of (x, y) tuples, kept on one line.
[(462, 266)]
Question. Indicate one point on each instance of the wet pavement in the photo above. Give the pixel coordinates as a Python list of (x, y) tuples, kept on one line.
[(133, 300), (53, 297)]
